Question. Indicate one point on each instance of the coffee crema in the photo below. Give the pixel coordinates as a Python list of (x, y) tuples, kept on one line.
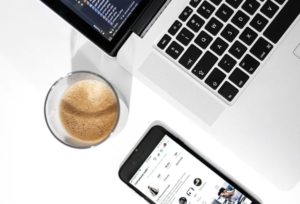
[(89, 111)]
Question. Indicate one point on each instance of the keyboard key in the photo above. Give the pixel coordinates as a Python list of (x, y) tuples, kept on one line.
[(240, 19), (206, 9), (238, 50), (283, 21), (261, 48), (174, 50), (228, 91), (205, 64), (249, 64), (238, 77), (280, 1), (175, 28), (259, 22), (248, 36), (229, 33), (234, 3), (185, 14), (195, 23), (203, 39), (251, 6), (214, 26), (216, 2), (224, 13), (215, 78), (164, 42), (189, 58), (195, 3), (269, 9), (185, 36), (227, 63), (219, 46)]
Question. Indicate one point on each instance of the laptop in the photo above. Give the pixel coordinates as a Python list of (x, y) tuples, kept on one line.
[(234, 65)]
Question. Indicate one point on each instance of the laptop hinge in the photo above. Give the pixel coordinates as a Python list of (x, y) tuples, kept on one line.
[(150, 14)]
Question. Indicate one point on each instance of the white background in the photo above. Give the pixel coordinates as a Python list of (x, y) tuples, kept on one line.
[(35, 168)]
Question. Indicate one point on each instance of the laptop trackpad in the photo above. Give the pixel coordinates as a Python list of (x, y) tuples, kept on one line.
[(181, 87)]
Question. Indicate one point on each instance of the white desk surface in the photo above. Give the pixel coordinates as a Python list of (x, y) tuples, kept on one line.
[(35, 168)]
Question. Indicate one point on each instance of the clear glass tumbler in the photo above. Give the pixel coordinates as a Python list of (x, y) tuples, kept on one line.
[(53, 112)]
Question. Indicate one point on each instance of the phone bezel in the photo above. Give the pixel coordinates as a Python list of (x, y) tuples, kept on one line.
[(110, 47), (146, 146)]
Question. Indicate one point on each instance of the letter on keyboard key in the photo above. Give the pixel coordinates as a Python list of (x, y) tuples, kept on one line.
[(195, 23), (203, 39), (248, 36), (224, 13), (206, 9), (205, 64), (215, 78), (269, 9), (185, 36), (249, 64), (185, 14), (164, 42), (238, 77), (174, 50), (261, 48), (214, 26), (175, 28), (229, 33), (219, 46), (259, 22), (228, 91), (238, 50), (189, 58), (227, 63), (240, 19), (250, 6)]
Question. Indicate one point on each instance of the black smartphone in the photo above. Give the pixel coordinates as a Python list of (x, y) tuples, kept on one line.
[(163, 170)]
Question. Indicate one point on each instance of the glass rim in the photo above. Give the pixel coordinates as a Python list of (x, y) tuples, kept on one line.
[(67, 76)]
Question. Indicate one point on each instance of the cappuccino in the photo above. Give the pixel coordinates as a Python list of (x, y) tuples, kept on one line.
[(89, 111)]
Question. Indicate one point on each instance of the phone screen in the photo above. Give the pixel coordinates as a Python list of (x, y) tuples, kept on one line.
[(171, 175)]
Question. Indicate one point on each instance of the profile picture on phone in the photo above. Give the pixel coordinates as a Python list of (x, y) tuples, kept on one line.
[(182, 200), (153, 190), (197, 182)]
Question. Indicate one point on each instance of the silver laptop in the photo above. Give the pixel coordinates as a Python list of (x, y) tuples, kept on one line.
[(234, 64)]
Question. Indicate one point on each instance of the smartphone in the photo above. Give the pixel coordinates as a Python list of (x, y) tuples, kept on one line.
[(163, 170)]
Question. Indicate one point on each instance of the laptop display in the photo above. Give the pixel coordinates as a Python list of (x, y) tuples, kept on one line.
[(105, 16)]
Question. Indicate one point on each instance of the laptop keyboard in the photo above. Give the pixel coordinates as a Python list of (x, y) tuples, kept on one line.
[(222, 43)]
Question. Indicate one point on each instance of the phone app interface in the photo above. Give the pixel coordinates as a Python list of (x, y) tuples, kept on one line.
[(171, 175), (105, 16)]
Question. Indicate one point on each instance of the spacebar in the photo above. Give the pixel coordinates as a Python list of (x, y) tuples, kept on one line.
[(283, 21)]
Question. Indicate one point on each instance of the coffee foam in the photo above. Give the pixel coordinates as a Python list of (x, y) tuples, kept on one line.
[(89, 111)]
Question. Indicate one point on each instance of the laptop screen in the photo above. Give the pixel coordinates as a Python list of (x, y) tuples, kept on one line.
[(105, 16)]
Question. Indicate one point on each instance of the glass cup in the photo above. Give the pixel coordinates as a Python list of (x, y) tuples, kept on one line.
[(84, 118)]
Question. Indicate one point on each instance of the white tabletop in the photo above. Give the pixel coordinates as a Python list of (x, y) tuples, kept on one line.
[(35, 168)]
